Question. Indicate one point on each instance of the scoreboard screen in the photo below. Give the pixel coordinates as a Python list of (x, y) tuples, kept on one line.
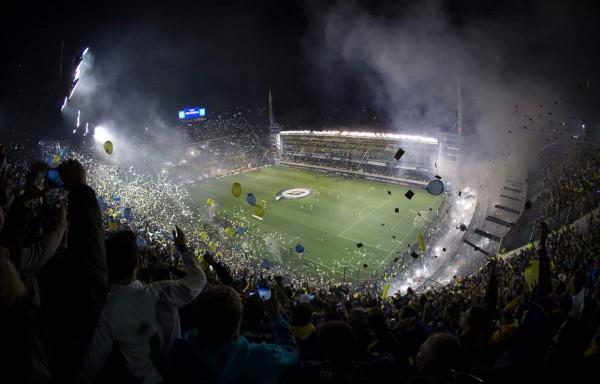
[(192, 113)]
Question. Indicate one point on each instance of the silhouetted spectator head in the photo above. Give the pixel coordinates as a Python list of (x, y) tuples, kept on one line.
[(301, 314), (218, 314), (376, 319), (439, 354), (357, 318), (253, 310), (337, 341), (474, 320), (122, 256), (408, 312)]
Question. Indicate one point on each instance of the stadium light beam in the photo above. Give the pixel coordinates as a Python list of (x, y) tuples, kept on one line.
[(101, 134)]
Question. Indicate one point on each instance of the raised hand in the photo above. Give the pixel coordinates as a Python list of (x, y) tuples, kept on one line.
[(272, 305), (178, 237)]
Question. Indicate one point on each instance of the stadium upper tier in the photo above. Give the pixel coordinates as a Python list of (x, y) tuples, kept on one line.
[(376, 149)]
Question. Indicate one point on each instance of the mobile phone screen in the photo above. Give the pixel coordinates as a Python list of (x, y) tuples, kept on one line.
[(264, 293), (54, 180)]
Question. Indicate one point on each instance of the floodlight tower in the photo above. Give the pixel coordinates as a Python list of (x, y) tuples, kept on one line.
[(274, 129), (451, 143)]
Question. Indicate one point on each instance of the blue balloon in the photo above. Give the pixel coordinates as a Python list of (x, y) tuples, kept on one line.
[(435, 187), (238, 247), (299, 248), (251, 199), (240, 230), (64, 153), (265, 263), (50, 160), (127, 213), (117, 198), (141, 243)]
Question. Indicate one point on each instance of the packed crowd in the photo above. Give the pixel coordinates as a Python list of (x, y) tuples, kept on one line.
[(361, 148), (574, 184), (91, 292), (219, 147), (358, 168)]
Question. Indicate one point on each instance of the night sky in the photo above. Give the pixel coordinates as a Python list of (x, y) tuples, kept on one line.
[(399, 58)]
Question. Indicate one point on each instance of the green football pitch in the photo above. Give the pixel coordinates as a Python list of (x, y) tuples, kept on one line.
[(343, 225)]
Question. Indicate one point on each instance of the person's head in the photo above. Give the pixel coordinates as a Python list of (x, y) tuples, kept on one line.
[(12, 288), (301, 314), (474, 320), (376, 319), (337, 341), (122, 256), (357, 318), (439, 354), (218, 314), (253, 310)]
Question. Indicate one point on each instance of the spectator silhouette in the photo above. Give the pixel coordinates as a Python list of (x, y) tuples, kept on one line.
[(214, 352)]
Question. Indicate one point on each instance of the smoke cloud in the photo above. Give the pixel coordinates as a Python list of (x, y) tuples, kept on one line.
[(524, 77)]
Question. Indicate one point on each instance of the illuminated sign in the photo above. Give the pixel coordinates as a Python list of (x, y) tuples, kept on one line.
[(192, 113)]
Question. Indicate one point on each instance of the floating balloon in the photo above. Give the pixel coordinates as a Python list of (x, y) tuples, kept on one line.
[(203, 235), (117, 198), (238, 247), (236, 189), (265, 263), (50, 160), (108, 147), (435, 187), (385, 290), (240, 230), (299, 248), (64, 153), (212, 246), (56, 159), (229, 231), (251, 199), (210, 202), (141, 243), (259, 210), (127, 213)]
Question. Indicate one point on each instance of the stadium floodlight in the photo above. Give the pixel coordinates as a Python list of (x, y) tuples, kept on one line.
[(64, 103), (101, 134), (78, 117), (385, 136), (73, 87), (85, 51)]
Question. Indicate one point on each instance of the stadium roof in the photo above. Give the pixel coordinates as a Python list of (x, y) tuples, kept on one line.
[(369, 135)]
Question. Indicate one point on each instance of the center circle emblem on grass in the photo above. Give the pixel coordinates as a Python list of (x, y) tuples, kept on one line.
[(294, 193)]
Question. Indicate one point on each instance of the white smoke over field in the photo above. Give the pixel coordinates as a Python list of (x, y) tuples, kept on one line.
[(523, 76)]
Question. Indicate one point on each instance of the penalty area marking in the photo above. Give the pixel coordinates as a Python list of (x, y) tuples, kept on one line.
[(362, 218)]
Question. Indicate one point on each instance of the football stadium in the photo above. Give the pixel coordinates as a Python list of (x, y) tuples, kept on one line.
[(300, 192)]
